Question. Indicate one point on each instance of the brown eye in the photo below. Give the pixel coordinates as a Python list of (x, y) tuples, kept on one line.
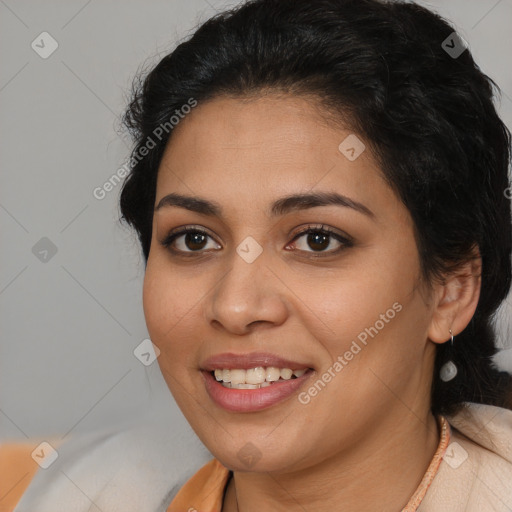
[(318, 241), (188, 240), (321, 239), (194, 240)]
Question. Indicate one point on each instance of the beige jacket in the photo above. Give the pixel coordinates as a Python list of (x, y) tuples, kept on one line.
[(476, 472)]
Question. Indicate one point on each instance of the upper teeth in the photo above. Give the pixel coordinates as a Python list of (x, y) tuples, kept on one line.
[(256, 375)]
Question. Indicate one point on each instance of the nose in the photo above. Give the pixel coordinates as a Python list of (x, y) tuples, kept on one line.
[(249, 296)]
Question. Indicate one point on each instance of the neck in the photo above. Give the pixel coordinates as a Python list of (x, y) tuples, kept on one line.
[(381, 473)]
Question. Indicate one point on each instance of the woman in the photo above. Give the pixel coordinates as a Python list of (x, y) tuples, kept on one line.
[(319, 189)]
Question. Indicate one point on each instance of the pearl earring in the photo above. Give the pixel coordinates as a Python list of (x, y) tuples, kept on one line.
[(448, 370)]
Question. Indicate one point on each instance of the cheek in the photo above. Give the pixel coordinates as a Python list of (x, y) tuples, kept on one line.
[(168, 314), (168, 306), (165, 298), (155, 298)]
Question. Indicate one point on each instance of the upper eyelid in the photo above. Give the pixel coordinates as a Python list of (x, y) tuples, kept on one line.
[(322, 227), (183, 230), (317, 227)]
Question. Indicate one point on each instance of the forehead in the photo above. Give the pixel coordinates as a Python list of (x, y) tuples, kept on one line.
[(247, 150), (266, 115)]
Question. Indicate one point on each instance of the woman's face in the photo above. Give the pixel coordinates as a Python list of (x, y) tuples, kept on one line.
[(349, 306)]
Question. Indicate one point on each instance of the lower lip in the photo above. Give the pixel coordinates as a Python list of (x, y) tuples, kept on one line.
[(249, 400)]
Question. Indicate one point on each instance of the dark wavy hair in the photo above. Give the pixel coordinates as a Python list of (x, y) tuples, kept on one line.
[(427, 115)]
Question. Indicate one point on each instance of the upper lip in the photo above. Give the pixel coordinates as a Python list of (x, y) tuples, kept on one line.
[(230, 360)]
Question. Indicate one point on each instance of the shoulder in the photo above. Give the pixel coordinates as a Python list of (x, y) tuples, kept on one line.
[(17, 468), (138, 468), (487, 427), (476, 471)]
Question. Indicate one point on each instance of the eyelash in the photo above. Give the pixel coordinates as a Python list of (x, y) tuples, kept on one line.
[(346, 241)]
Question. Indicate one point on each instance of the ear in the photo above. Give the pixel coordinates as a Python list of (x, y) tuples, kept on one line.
[(456, 300)]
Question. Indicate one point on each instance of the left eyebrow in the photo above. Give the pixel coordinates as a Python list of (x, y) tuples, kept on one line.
[(304, 201), (279, 207)]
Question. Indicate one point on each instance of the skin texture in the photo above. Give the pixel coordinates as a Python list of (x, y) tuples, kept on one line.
[(364, 442)]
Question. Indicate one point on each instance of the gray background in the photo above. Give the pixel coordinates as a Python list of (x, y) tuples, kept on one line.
[(69, 324)]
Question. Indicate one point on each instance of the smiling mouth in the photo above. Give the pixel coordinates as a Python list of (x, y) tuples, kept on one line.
[(255, 378)]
